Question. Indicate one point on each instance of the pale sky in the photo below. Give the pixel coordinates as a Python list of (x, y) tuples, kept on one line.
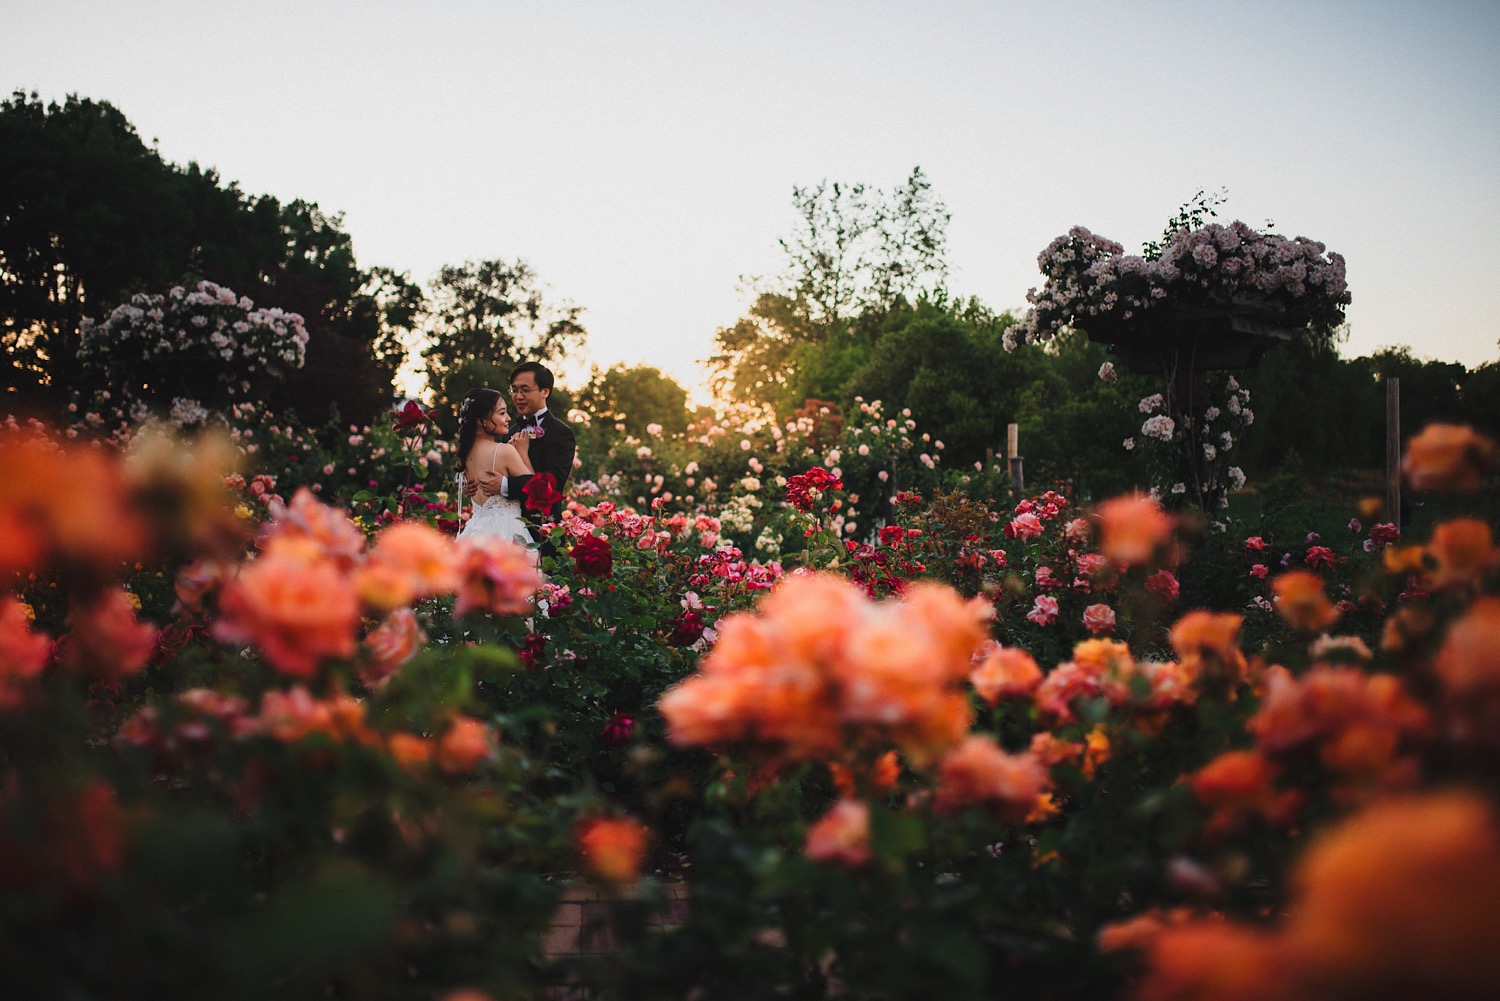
[(641, 155)]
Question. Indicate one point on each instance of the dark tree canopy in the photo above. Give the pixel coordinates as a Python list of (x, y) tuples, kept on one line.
[(637, 397), (89, 215), (486, 316)]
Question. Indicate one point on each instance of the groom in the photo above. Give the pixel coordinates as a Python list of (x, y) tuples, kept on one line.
[(552, 452)]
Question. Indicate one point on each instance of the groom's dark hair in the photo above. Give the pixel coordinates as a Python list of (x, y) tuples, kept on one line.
[(542, 372)]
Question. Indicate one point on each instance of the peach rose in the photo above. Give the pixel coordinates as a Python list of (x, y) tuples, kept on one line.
[(1448, 458), (842, 835), (612, 848)]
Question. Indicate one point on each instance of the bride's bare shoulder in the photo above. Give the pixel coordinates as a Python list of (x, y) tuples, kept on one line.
[(481, 456)]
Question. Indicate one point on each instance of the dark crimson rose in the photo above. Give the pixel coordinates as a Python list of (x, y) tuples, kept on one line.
[(411, 415), (593, 557), (541, 492), (617, 730), (531, 650), (799, 488), (688, 629)]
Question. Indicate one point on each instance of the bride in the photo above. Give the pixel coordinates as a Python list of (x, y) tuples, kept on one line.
[(483, 416)]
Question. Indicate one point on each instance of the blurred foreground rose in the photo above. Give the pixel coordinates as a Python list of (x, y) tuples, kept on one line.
[(1400, 902), (1132, 529), (1301, 601), (820, 671), (612, 848), (294, 603), (1448, 458), (842, 835)]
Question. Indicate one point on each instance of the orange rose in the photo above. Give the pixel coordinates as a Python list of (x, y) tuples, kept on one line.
[(1301, 601), (978, 772), (105, 638), (1468, 667), (390, 645), (1132, 528), (842, 835), (411, 752), (1448, 458), (330, 530), (23, 653), (1464, 552), (1005, 672), (612, 848), (496, 576), (1403, 897), (464, 746), (293, 603), (1238, 779)]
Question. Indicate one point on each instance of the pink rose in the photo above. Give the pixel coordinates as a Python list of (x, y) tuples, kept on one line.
[(1024, 526), (1099, 619), (1043, 610)]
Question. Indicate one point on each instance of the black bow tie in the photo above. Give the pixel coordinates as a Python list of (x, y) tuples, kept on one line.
[(528, 420)]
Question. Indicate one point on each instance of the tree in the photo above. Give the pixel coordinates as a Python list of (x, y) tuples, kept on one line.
[(945, 363), (492, 312), (856, 248), (1481, 399), (854, 253), (636, 397), (394, 305), (89, 214)]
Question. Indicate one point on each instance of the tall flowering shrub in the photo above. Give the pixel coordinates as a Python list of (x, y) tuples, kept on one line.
[(1091, 278), (189, 347)]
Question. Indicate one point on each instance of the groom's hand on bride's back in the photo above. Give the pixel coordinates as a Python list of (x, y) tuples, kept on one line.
[(489, 481)]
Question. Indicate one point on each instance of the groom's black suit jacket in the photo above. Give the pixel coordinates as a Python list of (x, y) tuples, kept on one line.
[(551, 453)]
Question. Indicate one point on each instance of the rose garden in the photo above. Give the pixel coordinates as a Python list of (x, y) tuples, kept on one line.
[(801, 707)]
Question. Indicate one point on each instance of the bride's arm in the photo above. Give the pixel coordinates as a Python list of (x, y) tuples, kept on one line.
[(514, 458)]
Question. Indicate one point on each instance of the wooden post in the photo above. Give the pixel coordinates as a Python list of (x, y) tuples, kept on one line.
[(1393, 450), (1013, 453)]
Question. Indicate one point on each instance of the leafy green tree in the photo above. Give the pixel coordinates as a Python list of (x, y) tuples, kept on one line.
[(389, 309), (1073, 424), (854, 253), (856, 247), (1430, 390), (946, 365), (637, 397), (89, 214), (493, 312), (1480, 402)]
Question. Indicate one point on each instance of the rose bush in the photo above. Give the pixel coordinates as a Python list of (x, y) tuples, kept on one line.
[(295, 751)]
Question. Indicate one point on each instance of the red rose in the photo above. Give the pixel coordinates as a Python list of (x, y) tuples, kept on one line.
[(541, 492), (411, 415), (617, 731), (688, 628), (531, 650), (593, 557)]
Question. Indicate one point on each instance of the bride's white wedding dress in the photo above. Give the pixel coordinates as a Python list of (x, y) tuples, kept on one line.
[(497, 516)]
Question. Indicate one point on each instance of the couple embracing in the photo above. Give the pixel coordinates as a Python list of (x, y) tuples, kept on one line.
[(502, 469)]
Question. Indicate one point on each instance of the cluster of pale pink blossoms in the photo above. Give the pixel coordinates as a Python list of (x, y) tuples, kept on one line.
[(1090, 276)]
